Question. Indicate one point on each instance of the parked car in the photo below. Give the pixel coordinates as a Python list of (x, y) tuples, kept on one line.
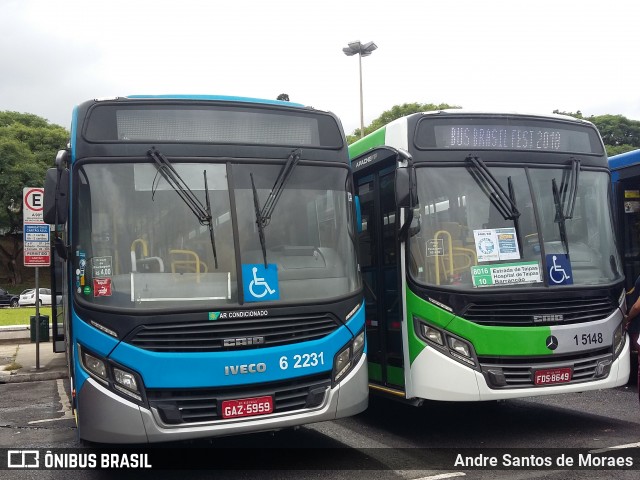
[(8, 299), (28, 297)]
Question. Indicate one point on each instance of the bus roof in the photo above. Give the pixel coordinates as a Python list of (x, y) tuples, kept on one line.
[(623, 160), (377, 137), (224, 98)]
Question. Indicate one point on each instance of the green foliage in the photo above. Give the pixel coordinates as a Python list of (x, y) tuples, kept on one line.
[(396, 111), (28, 146)]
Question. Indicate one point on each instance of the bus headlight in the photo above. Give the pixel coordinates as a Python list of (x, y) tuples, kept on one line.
[(126, 383), (342, 363), (619, 337), (111, 374), (447, 343), (93, 365), (432, 334), (348, 357), (358, 342)]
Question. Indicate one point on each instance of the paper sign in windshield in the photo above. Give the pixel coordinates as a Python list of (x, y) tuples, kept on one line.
[(505, 274), (494, 244)]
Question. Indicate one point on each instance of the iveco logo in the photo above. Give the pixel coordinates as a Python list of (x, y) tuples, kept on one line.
[(551, 342), (245, 368), (548, 318), (242, 342)]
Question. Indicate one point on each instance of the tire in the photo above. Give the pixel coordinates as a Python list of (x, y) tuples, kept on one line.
[(14, 303)]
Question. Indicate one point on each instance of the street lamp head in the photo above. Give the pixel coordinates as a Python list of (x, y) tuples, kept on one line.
[(359, 48), (367, 48), (363, 50)]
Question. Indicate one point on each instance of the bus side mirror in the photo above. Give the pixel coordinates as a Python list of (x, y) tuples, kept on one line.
[(358, 214), (56, 196), (60, 248), (405, 187)]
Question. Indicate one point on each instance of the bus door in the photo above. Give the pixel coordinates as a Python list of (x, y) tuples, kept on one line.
[(378, 247), (58, 298), (628, 202)]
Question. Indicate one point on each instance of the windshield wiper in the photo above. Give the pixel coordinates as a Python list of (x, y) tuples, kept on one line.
[(516, 220), (560, 218), (492, 189), (173, 178), (210, 221), (263, 216), (573, 190), (565, 200)]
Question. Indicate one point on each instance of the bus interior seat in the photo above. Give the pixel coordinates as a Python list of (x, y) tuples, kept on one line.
[(187, 261)]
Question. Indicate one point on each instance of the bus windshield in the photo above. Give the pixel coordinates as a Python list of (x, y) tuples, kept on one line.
[(139, 246), (468, 235)]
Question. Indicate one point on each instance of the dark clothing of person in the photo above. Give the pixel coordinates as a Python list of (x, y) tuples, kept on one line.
[(633, 328)]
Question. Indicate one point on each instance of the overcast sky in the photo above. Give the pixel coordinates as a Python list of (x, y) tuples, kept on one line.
[(533, 56)]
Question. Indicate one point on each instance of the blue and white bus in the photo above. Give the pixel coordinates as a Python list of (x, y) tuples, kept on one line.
[(206, 254), (625, 176)]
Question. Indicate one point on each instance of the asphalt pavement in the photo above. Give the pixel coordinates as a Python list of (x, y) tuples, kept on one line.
[(22, 360)]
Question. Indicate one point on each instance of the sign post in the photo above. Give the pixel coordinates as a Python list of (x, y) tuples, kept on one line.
[(37, 245)]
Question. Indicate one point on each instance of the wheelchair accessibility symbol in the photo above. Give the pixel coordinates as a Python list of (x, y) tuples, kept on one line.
[(260, 283), (559, 269)]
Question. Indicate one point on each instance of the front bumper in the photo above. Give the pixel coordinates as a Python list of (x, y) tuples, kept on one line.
[(108, 418)]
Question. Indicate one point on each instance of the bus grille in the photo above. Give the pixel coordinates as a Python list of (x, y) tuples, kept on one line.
[(208, 336), (184, 406), (518, 313), (505, 372)]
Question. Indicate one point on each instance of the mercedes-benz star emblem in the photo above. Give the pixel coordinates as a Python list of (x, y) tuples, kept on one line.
[(552, 342)]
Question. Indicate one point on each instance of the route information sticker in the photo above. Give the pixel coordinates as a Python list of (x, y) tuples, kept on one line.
[(493, 244), (505, 274)]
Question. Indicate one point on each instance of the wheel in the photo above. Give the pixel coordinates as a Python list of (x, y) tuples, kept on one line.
[(14, 303)]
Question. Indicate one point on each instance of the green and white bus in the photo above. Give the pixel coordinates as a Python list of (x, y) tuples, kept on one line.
[(488, 252)]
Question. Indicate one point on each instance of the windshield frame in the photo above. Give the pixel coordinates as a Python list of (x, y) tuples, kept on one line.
[(543, 244), (229, 164)]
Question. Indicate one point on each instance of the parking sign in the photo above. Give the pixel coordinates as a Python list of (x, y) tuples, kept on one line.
[(36, 233)]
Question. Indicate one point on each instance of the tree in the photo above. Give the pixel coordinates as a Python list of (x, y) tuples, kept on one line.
[(619, 133), (396, 111), (28, 146)]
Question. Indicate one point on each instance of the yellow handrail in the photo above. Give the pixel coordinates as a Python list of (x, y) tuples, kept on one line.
[(145, 246), (450, 245), (452, 252)]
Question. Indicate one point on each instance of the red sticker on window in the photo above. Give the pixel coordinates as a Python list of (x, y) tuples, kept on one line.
[(101, 287)]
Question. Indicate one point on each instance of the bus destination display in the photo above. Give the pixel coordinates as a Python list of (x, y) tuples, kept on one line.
[(488, 136)]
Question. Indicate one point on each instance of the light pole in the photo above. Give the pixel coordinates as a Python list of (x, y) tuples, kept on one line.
[(363, 50)]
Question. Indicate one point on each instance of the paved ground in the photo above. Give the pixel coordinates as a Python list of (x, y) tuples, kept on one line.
[(22, 360)]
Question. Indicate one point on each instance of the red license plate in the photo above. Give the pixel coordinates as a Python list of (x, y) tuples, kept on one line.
[(247, 407), (552, 376)]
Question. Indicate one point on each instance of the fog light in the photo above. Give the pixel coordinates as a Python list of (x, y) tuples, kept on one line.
[(603, 368)]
